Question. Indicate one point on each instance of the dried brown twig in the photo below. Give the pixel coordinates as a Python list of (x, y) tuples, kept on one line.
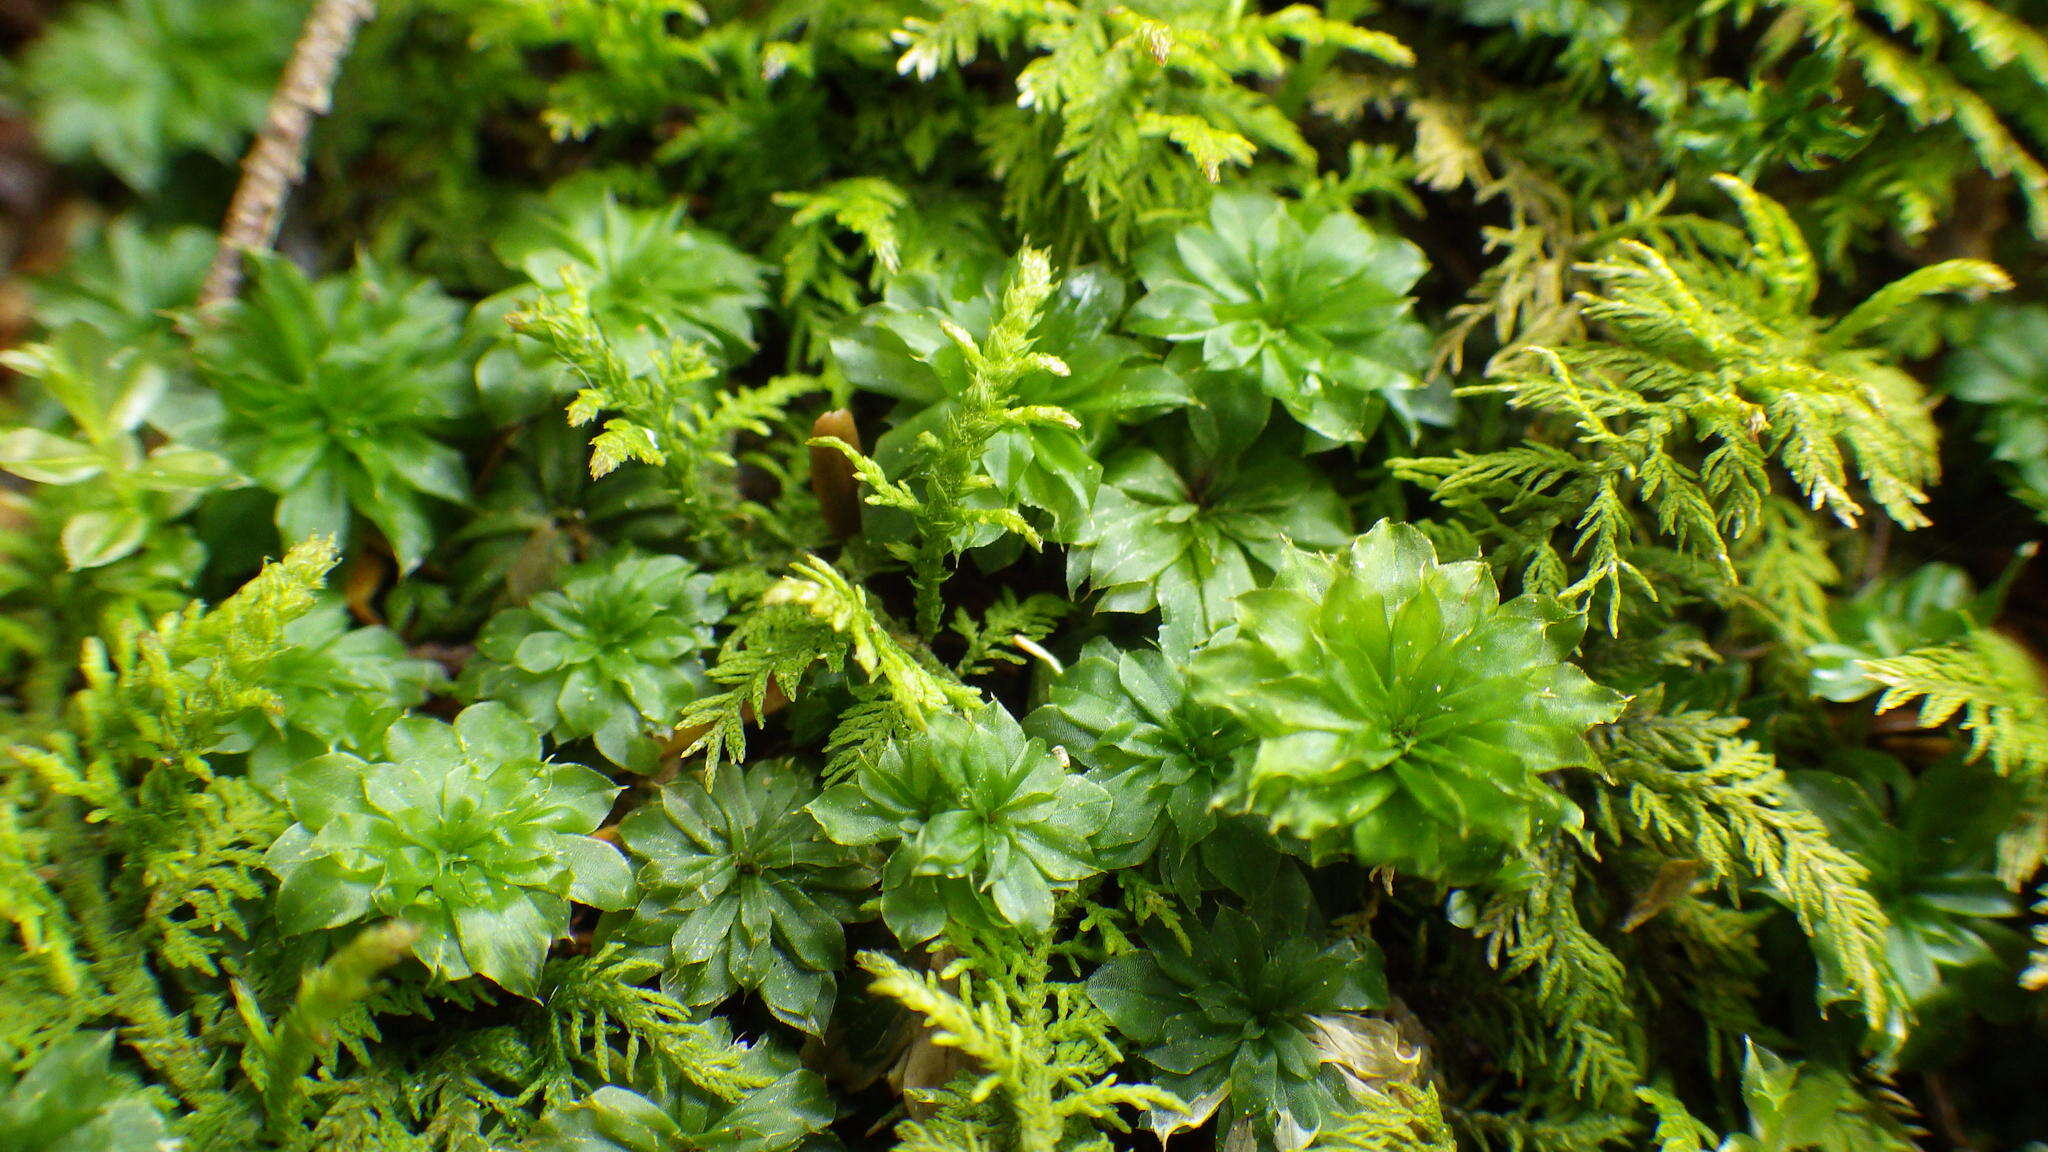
[(278, 158)]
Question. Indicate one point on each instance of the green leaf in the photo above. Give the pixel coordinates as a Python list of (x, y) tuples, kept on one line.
[(1309, 307), (1932, 604), (743, 890), (611, 1119), (179, 469), (504, 934), (902, 348), (34, 454), (1226, 1014), (650, 279), (464, 832), (133, 83), (1185, 534), (73, 1098), (980, 821), (1406, 717), (783, 1108), (615, 652), (337, 396), (92, 539), (1797, 1107), (2004, 372), (123, 278)]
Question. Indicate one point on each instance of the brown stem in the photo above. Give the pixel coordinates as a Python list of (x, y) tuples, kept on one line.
[(1946, 1116), (365, 575), (278, 158), (832, 475)]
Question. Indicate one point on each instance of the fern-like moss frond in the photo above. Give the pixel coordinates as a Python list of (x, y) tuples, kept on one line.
[(1710, 392), (1038, 1044), (1689, 783)]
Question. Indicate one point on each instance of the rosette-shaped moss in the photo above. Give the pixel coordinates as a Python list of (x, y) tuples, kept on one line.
[(980, 821), (653, 280), (1404, 714), (341, 688), (611, 655), (540, 508), (741, 889), (2005, 369), (1933, 604), (1929, 839), (1131, 720), (790, 1107), (124, 280), (1310, 306), (1186, 532), (901, 348), (1226, 1017), (464, 831), (109, 467), (340, 395), (134, 84), (73, 1099)]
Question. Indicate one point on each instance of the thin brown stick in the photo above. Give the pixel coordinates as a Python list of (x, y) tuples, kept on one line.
[(832, 475), (1946, 1116), (278, 158)]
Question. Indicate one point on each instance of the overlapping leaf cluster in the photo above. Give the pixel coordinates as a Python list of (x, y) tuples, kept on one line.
[(1029, 577)]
